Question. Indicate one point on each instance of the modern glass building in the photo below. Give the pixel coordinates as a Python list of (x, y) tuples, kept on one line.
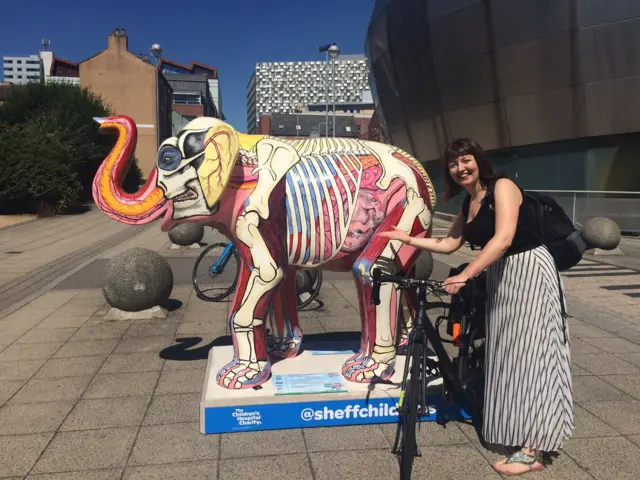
[(551, 88)]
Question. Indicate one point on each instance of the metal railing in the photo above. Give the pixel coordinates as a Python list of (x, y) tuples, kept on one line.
[(580, 205)]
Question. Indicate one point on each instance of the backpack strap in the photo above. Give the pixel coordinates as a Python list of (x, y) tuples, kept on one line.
[(466, 203), (534, 203), (465, 206)]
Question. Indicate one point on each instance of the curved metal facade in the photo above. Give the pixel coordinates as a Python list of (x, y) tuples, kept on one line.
[(508, 73)]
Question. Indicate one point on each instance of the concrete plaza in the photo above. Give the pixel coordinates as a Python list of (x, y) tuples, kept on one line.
[(86, 398)]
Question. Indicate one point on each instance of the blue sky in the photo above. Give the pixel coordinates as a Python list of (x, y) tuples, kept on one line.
[(231, 36)]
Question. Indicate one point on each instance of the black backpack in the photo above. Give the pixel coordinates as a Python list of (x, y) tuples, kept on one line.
[(555, 229)]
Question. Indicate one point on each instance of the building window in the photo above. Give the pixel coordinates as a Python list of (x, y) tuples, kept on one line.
[(187, 99)]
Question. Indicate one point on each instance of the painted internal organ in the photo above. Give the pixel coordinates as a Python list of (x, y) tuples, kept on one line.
[(368, 215)]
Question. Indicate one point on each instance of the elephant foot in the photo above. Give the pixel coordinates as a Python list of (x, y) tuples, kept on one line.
[(287, 347), (367, 369), (243, 374)]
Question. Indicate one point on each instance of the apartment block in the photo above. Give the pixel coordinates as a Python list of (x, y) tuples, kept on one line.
[(287, 87)]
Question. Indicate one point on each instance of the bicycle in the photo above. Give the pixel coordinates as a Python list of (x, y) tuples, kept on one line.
[(308, 281), (462, 377)]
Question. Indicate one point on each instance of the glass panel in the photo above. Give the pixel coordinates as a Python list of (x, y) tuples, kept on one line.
[(530, 67), (612, 106), (481, 123), (438, 9), (594, 12), (611, 50), (541, 117), (452, 38), (467, 83), (522, 20)]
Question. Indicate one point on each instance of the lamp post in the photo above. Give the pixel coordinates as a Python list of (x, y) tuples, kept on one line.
[(156, 50), (333, 52)]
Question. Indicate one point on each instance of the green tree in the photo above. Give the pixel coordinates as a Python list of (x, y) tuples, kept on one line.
[(50, 149)]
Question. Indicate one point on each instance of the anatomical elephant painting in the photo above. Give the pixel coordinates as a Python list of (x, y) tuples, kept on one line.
[(286, 204)]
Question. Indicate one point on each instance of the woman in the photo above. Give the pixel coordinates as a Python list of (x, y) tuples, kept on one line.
[(528, 391)]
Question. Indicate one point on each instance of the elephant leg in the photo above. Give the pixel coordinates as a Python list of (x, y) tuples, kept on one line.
[(376, 358), (252, 302), (250, 365), (287, 334)]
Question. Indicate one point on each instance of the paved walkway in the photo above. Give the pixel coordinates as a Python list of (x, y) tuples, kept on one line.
[(88, 398)]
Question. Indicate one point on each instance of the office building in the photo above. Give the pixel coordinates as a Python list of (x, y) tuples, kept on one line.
[(20, 70), (549, 87), (191, 98), (198, 69), (36, 68), (287, 87)]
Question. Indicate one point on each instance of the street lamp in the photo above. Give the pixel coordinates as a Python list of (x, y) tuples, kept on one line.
[(156, 50), (297, 108), (334, 51)]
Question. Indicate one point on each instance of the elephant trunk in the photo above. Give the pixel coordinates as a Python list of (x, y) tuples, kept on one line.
[(141, 207)]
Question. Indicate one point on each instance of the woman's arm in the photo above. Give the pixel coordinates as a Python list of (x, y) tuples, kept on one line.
[(507, 205), (448, 244)]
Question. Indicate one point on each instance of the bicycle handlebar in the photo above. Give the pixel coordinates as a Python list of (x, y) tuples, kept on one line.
[(378, 277)]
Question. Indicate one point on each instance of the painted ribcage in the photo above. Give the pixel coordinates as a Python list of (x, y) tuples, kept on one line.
[(321, 196)]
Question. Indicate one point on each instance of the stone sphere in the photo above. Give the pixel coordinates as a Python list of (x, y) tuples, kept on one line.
[(424, 265), (601, 232), (185, 234), (136, 280)]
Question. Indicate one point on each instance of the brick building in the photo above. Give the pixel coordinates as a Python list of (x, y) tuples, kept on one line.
[(132, 86)]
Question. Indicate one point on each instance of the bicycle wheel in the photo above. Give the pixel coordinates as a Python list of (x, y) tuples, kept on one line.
[(410, 418), (315, 290), (210, 285)]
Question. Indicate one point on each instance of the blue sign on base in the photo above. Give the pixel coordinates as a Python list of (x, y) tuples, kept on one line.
[(326, 413)]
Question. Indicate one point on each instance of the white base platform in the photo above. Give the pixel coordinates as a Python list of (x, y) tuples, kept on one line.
[(223, 410)]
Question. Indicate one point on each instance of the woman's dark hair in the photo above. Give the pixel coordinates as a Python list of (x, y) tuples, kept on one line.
[(460, 148)]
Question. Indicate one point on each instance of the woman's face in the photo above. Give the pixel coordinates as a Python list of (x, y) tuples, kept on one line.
[(464, 170)]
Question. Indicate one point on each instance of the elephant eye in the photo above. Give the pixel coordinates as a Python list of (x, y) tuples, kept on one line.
[(193, 144), (169, 158)]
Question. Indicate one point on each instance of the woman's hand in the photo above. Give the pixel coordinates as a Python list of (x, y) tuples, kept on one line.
[(453, 285), (396, 234)]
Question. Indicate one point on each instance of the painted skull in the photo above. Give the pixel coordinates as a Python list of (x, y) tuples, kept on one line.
[(195, 166)]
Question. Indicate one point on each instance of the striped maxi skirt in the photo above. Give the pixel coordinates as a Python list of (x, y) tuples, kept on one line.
[(528, 392)]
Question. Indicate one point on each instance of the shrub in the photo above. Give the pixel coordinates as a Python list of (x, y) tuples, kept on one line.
[(50, 149)]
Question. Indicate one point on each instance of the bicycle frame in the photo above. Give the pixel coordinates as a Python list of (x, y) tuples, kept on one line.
[(425, 332), (218, 267)]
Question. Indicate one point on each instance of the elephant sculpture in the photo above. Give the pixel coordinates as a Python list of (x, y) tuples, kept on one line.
[(286, 204)]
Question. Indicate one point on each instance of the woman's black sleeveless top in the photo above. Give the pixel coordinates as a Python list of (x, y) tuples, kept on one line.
[(480, 230)]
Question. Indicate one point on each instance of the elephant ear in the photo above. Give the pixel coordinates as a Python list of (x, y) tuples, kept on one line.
[(221, 148)]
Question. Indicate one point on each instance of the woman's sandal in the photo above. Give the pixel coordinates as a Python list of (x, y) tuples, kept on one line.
[(522, 459)]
